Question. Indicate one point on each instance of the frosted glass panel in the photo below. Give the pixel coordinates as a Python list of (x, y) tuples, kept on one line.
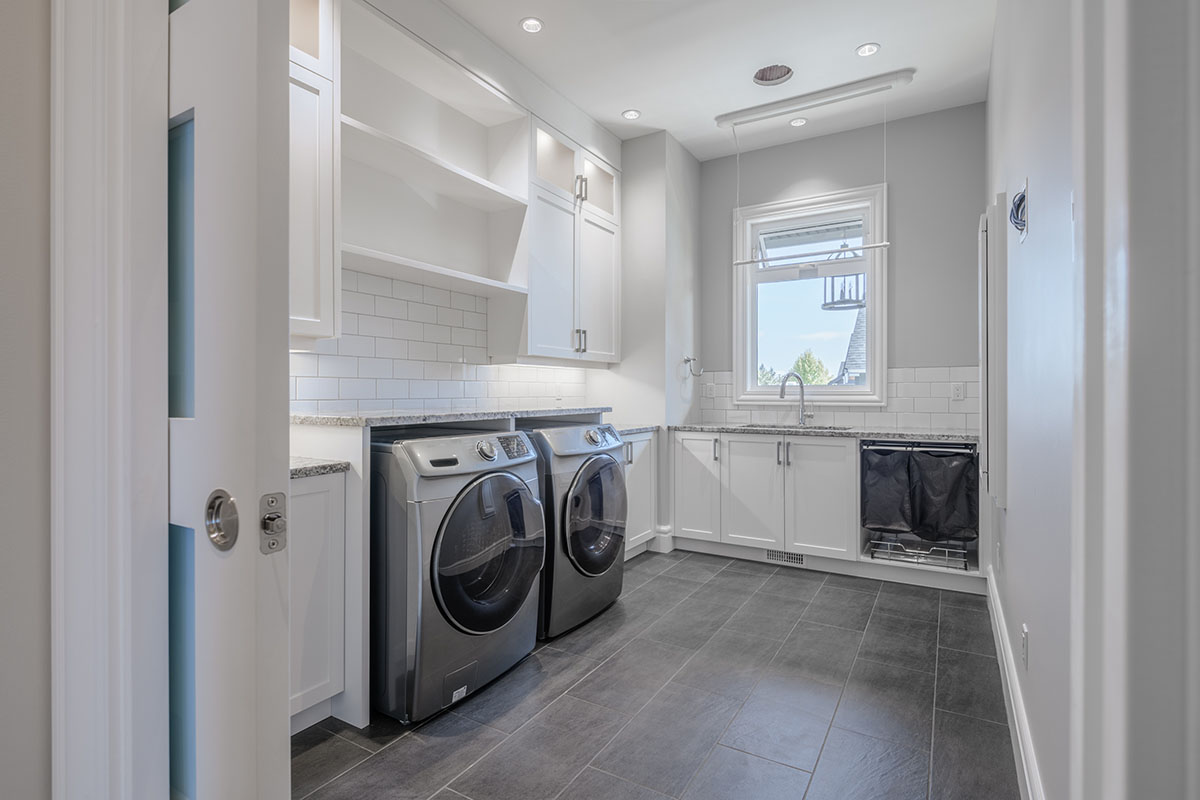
[(555, 162), (600, 188), (305, 26), (181, 252)]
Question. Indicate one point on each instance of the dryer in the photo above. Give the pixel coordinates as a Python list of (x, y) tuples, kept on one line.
[(583, 491), (457, 547)]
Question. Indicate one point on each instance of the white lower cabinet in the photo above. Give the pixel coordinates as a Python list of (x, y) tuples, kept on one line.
[(797, 494), (641, 487), (822, 496), (697, 485), (752, 477), (316, 551)]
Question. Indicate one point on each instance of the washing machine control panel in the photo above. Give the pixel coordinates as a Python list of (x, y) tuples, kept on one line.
[(594, 437), (514, 446), (486, 450)]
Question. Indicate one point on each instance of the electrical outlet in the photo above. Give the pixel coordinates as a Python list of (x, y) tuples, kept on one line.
[(710, 390), (1025, 645), (958, 391)]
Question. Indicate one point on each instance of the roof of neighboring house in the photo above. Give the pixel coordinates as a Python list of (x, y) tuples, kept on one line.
[(855, 362)]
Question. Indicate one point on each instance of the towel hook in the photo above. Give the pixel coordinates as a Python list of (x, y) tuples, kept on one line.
[(688, 361)]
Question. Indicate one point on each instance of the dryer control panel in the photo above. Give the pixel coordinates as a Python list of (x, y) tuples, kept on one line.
[(514, 446)]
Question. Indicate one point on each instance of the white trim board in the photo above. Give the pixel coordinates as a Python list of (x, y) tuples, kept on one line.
[(1029, 777)]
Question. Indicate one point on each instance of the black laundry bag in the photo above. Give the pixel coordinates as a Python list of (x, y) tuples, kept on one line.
[(945, 496), (886, 491)]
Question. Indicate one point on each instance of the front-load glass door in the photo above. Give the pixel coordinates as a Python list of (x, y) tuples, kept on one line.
[(595, 516), (488, 553)]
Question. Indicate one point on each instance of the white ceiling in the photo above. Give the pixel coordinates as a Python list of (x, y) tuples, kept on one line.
[(683, 62)]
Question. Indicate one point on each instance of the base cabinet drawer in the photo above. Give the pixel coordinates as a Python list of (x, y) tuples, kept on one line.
[(317, 592)]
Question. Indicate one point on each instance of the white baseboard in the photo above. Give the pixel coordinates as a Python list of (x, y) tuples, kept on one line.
[(311, 716), (1029, 777)]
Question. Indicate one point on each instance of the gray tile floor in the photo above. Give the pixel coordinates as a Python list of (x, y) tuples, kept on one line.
[(717, 679)]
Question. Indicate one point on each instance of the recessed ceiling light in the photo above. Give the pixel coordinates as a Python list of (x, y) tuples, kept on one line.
[(773, 75), (798, 121), (631, 113), (868, 49), (531, 24)]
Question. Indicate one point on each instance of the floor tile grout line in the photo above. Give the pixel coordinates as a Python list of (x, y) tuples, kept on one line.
[(749, 694), (937, 652), (841, 695), (359, 746), (335, 777), (614, 775)]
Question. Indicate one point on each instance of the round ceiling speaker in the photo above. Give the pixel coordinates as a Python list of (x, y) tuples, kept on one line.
[(773, 75)]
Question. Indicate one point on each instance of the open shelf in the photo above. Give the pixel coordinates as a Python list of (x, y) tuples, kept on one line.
[(376, 149), (388, 265)]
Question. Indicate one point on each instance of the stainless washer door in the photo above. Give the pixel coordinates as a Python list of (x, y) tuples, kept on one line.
[(488, 553), (594, 516)]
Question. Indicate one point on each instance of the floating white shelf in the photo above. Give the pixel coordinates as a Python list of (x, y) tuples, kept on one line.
[(376, 149), (388, 265)]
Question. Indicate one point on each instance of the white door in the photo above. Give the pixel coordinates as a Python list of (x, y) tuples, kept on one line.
[(752, 507), (552, 328), (312, 277), (822, 496), (642, 488), (228, 103), (599, 288), (697, 486)]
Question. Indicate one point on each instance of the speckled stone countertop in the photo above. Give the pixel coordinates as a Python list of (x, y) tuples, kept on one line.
[(629, 430), (844, 433), (309, 467), (380, 419)]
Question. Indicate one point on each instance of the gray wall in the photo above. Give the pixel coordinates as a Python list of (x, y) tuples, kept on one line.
[(1029, 136), (25, 400), (935, 174)]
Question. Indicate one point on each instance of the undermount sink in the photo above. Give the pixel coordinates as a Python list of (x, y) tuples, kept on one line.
[(803, 427)]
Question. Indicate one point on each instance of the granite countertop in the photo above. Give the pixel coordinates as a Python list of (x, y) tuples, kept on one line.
[(309, 467), (844, 433), (380, 419), (629, 430)]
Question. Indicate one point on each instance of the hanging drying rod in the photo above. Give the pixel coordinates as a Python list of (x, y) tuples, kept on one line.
[(876, 246)]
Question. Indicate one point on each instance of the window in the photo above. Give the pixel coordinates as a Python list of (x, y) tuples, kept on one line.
[(812, 301)]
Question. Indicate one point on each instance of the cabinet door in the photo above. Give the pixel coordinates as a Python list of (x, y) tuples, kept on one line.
[(552, 276), (311, 35), (600, 188), (555, 162), (599, 288), (697, 486), (822, 496), (316, 554), (312, 263), (641, 484), (752, 508)]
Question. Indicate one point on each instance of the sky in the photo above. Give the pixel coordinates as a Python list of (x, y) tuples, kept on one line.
[(791, 320)]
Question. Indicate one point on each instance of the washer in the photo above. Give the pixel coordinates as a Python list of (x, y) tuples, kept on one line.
[(457, 545), (583, 490)]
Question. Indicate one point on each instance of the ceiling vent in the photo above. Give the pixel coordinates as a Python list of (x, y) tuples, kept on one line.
[(773, 75)]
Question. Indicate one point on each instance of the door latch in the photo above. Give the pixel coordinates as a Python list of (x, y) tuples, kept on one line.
[(272, 535)]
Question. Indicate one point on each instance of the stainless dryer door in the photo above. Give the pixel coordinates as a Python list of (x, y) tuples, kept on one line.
[(489, 551), (594, 516)]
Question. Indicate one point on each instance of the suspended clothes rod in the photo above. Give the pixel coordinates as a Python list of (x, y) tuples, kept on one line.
[(919, 448), (876, 246)]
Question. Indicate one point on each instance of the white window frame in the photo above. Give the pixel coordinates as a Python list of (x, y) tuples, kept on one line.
[(871, 201)]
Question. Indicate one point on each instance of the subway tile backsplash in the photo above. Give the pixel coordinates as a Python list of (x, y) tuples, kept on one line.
[(407, 347), (918, 399)]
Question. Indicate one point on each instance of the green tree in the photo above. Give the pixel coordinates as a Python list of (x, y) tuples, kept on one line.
[(811, 369), (768, 376)]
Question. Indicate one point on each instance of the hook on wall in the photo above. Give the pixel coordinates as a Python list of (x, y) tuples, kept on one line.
[(689, 361)]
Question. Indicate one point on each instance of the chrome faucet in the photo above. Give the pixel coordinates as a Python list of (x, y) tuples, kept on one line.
[(783, 391)]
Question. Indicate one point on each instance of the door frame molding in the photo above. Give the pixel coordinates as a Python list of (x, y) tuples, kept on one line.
[(108, 593)]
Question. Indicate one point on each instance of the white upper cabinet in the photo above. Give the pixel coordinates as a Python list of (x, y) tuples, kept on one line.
[(752, 477), (822, 496), (312, 34), (574, 306), (314, 283)]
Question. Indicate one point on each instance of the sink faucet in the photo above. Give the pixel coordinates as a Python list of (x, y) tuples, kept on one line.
[(783, 391)]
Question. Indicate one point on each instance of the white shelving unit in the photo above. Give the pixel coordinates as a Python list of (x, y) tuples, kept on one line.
[(435, 163)]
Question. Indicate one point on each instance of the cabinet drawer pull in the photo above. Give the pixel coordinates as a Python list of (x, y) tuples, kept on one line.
[(788, 452), (778, 453), (584, 350), (716, 442)]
